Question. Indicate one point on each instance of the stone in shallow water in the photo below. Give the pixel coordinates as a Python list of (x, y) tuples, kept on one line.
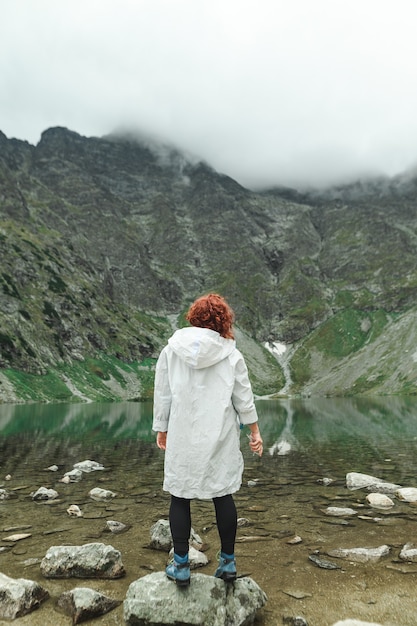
[(99, 494), (17, 537), (74, 511), (88, 466), (83, 603), (356, 480), (379, 500), (44, 494), (323, 563), (117, 527), (340, 511), (92, 560), (161, 538), (409, 494), (360, 555), (74, 476), (355, 622), (409, 553), (19, 596)]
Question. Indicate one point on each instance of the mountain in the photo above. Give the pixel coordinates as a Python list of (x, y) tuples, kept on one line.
[(106, 241)]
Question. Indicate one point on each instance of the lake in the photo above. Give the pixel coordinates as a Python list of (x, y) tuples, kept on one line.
[(282, 496)]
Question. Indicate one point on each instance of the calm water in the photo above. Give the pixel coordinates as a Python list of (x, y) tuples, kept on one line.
[(304, 441)]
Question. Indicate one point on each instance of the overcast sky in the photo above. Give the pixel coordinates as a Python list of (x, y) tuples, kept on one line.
[(288, 92)]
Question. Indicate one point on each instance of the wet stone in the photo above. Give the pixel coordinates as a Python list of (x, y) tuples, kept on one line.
[(83, 603), (19, 596), (92, 560)]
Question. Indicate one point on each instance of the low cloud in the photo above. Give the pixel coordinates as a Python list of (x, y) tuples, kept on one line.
[(269, 93)]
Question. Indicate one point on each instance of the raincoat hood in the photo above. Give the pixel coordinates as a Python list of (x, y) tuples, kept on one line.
[(200, 347)]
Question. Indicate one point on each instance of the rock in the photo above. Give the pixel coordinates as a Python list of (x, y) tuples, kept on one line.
[(323, 481), (409, 494), (52, 468), (19, 596), (379, 500), (74, 476), (17, 537), (355, 622), (117, 527), (409, 553), (338, 511), (83, 603), (88, 466), (161, 538), (44, 494), (323, 563), (295, 621), (74, 511), (196, 558), (356, 480), (100, 495), (92, 560), (360, 555), (243, 522), (281, 448), (294, 540), (4, 494), (155, 600)]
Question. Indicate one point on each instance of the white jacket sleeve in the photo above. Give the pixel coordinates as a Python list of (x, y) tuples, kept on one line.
[(162, 395), (242, 396)]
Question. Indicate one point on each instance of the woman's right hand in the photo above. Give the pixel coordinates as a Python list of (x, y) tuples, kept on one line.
[(256, 443)]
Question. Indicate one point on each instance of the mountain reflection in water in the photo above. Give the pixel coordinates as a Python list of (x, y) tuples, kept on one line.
[(354, 431)]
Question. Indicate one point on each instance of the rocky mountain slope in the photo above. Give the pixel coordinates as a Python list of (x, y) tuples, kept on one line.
[(105, 242)]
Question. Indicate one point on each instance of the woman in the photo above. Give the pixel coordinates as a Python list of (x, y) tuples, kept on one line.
[(202, 396)]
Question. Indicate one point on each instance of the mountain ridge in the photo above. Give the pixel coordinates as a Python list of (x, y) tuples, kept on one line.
[(106, 240)]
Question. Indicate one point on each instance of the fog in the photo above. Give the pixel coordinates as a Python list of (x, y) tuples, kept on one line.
[(269, 92)]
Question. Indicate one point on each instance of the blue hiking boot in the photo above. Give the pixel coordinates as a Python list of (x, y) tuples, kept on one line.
[(227, 567), (179, 570)]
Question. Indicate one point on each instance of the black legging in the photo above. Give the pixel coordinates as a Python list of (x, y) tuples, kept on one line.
[(180, 523)]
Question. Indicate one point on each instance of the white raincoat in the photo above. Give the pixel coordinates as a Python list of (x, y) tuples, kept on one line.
[(202, 393)]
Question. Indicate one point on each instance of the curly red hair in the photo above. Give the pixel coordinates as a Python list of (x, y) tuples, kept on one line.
[(212, 311)]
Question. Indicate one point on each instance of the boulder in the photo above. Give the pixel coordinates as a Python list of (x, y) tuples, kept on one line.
[(83, 603), (154, 599), (92, 560), (19, 596)]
